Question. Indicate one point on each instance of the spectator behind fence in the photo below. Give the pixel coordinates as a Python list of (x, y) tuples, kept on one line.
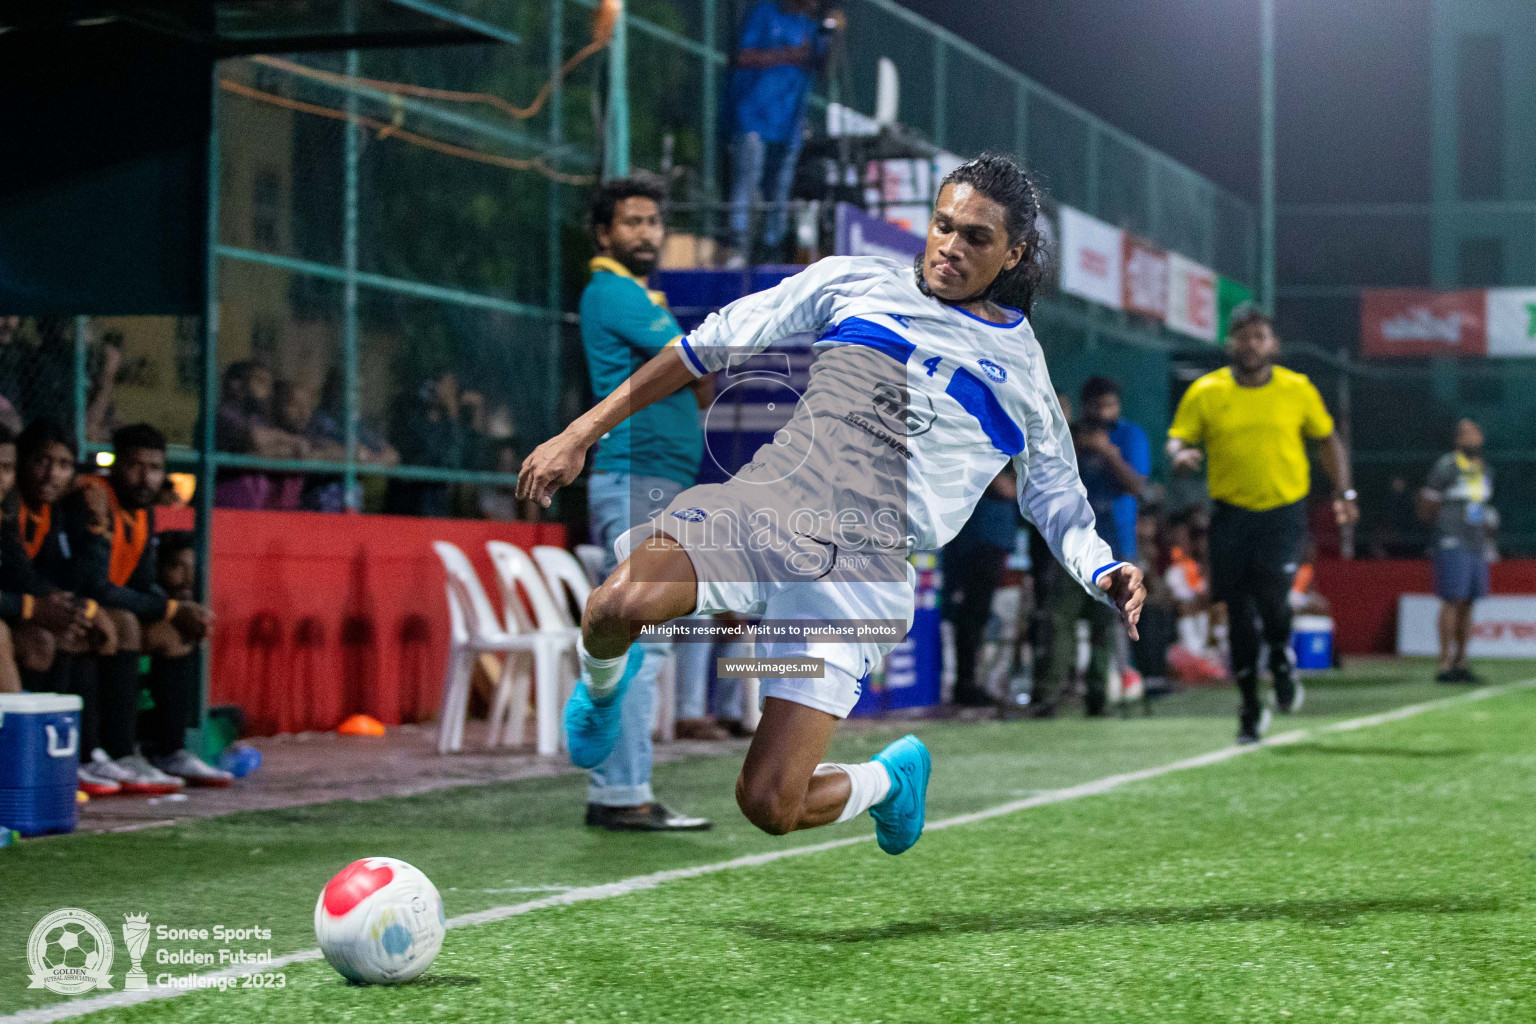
[(442, 426), (499, 501), (245, 426), (35, 616), (37, 371), (327, 426), (780, 46), (127, 584), (1113, 458), (1456, 498), (973, 565), (639, 467)]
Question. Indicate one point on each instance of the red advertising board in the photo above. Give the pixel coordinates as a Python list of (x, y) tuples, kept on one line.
[(1418, 322)]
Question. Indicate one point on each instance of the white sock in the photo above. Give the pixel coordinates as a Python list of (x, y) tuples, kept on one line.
[(602, 673), (868, 784)]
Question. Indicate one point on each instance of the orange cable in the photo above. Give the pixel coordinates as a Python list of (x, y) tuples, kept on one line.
[(386, 130), (405, 89), (603, 20)]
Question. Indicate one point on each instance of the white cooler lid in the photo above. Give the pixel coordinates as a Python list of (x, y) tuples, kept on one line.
[(38, 703)]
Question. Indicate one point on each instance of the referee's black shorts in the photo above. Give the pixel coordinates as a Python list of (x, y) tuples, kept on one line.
[(1254, 552)]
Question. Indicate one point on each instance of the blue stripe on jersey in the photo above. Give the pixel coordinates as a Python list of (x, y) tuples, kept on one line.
[(857, 331), (978, 400), (1101, 570), (692, 358)]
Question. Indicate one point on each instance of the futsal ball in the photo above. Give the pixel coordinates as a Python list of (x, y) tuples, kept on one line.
[(379, 922)]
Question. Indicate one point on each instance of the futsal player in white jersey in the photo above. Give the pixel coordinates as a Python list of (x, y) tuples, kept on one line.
[(926, 383)]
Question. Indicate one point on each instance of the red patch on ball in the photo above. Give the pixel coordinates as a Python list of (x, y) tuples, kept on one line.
[(356, 882)]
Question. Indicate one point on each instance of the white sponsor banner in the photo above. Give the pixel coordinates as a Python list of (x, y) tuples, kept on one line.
[(1503, 626), (1191, 298), (1092, 258), (1512, 321)]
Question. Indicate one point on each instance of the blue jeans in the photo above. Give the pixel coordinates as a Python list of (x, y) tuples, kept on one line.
[(769, 166), (624, 780), (693, 679)]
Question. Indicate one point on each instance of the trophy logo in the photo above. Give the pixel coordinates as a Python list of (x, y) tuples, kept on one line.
[(135, 937)]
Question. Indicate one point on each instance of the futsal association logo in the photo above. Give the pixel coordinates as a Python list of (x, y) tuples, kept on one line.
[(996, 374), (690, 515), (70, 952)]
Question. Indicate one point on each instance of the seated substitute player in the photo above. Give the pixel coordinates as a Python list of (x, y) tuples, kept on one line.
[(924, 387), (62, 535), (35, 616), (127, 585)]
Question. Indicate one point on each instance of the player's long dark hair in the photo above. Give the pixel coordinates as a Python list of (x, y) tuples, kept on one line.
[(997, 177)]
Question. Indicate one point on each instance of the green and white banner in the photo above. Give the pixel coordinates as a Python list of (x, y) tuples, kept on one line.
[(1512, 321)]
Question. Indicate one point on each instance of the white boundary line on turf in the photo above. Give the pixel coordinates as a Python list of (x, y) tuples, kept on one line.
[(623, 887)]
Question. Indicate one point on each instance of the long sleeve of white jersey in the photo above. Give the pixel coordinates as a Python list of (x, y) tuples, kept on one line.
[(800, 304), (1051, 493)]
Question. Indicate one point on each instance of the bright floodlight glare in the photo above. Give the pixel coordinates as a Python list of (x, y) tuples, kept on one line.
[(104, 459)]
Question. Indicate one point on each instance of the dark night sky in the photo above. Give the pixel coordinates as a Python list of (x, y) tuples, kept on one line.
[(1183, 76)]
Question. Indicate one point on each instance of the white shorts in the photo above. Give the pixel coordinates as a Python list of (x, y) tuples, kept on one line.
[(762, 569)]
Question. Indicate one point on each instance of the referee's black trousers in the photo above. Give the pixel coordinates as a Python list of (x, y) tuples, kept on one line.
[(1253, 562)]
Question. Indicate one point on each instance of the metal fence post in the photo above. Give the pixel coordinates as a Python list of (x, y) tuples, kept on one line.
[(552, 214), (351, 415), (711, 114), (940, 89), (616, 147), (206, 468), (1093, 169), (82, 385), (1021, 122), (1267, 154)]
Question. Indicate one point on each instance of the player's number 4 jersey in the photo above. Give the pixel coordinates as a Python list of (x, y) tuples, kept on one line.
[(913, 408)]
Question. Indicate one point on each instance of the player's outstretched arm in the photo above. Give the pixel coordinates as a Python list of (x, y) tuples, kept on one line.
[(558, 461)]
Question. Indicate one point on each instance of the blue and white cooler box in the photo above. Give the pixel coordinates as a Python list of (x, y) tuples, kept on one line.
[(39, 755), (1312, 640)]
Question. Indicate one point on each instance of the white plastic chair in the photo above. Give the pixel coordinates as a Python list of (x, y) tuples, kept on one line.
[(565, 574), (567, 580), (594, 560), (476, 629), (549, 627)]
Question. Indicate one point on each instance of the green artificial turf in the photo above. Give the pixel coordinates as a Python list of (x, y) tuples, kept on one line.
[(1383, 875)]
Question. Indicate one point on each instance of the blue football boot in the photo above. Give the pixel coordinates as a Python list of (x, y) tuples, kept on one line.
[(899, 817), (592, 726)]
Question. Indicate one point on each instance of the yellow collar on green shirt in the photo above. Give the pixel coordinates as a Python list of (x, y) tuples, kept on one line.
[(613, 266)]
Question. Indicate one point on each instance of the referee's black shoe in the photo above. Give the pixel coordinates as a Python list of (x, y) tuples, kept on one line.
[(1289, 693), (651, 817), (1252, 724)]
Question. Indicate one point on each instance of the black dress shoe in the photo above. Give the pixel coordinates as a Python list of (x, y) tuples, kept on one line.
[(972, 697), (652, 817)]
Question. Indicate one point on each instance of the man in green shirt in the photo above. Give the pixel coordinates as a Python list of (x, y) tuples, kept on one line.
[(640, 465)]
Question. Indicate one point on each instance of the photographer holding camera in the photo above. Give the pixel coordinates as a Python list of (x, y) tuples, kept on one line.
[(782, 46)]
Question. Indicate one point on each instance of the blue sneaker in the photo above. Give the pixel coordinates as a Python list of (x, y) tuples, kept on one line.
[(592, 726), (899, 817)]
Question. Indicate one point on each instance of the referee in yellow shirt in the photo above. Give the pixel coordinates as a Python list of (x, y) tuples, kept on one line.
[(1253, 420)]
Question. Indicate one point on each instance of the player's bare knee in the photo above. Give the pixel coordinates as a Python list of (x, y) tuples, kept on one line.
[(130, 635), (619, 608), (603, 614), (767, 805)]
